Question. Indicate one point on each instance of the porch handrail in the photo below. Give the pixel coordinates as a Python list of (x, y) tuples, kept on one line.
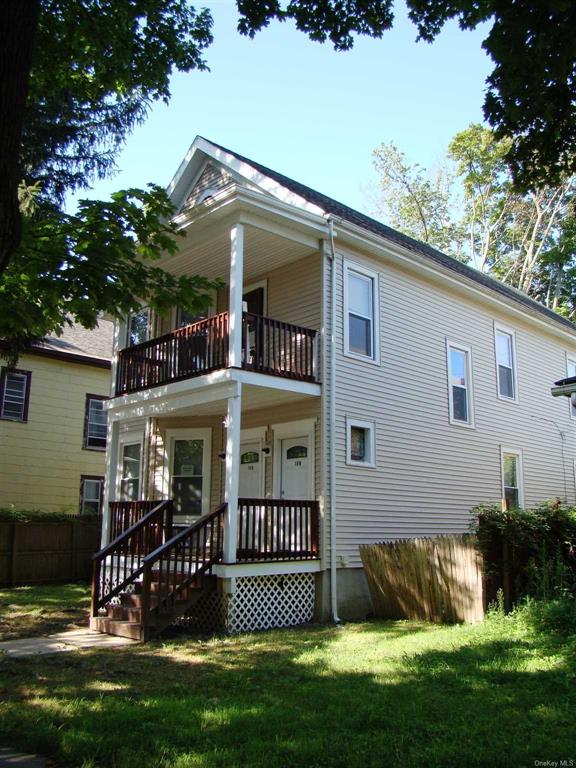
[(124, 514), (278, 529), (125, 553), (177, 564), (189, 351), (278, 348)]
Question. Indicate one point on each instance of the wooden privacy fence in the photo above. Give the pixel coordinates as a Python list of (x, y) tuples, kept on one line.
[(44, 552), (430, 579)]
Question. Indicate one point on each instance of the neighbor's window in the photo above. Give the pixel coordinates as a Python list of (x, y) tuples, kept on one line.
[(14, 394), (91, 492), (95, 423), (570, 372), (139, 327), (360, 299), (512, 478), (360, 443), (460, 384), (506, 363)]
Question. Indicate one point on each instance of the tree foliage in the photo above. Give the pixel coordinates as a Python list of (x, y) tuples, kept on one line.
[(476, 213), (100, 260), (530, 96)]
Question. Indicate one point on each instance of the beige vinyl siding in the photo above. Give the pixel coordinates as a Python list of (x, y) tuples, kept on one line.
[(41, 461), (430, 473), (212, 178), (308, 409)]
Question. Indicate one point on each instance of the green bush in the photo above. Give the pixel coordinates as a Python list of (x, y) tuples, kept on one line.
[(528, 552), (11, 514)]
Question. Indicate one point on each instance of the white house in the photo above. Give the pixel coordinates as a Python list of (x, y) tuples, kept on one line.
[(348, 385)]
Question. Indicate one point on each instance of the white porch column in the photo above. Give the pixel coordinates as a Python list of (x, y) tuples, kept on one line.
[(232, 474), (236, 284), (118, 342), (110, 476)]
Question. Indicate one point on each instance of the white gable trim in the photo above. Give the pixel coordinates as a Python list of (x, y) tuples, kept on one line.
[(265, 183)]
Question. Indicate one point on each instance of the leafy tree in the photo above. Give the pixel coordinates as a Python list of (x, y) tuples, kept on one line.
[(88, 71), (526, 239), (417, 202)]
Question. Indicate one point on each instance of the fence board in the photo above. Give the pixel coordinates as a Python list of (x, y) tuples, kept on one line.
[(44, 552), (436, 579)]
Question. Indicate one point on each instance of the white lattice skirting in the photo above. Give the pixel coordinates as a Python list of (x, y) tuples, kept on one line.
[(258, 602)]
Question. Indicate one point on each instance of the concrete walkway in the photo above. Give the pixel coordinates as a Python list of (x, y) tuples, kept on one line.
[(11, 759), (61, 643)]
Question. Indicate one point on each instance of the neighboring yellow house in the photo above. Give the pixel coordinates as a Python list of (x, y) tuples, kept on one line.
[(52, 426)]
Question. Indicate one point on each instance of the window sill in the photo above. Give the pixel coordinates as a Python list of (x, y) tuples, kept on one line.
[(464, 424), (364, 464), (93, 448), (16, 421), (362, 358), (508, 399)]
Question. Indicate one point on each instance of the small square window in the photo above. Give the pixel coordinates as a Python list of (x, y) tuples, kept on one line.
[(14, 394), (95, 423), (360, 443)]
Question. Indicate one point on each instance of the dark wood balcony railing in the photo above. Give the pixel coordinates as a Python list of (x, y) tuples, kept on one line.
[(268, 346), (277, 348), (186, 352), (277, 529)]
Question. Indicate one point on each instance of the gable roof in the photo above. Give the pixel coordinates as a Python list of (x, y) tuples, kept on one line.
[(344, 212), (79, 344)]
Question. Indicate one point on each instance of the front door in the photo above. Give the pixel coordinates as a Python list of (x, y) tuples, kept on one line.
[(295, 469), (250, 484)]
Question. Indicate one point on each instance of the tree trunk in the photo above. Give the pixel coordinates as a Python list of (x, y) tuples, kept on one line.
[(18, 23)]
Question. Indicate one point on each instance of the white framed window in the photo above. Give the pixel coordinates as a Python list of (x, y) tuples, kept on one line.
[(129, 466), (95, 423), (506, 374), (460, 389), (14, 394), (512, 477), (138, 330), (91, 494), (570, 372), (360, 443), (361, 313)]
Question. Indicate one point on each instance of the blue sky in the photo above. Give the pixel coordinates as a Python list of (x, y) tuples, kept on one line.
[(310, 112)]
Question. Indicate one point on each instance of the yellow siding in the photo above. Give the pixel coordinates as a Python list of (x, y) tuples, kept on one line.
[(41, 461)]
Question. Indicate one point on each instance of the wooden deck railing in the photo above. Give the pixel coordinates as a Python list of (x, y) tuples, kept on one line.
[(179, 562), (278, 348), (186, 352), (268, 346), (120, 563), (124, 514), (277, 529)]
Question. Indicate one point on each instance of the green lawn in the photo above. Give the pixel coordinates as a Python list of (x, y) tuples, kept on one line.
[(371, 694), (30, 611)]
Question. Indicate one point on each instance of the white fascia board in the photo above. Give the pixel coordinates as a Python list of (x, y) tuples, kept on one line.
[(276, 382), (255, 177), (231, 571), (378, 246)]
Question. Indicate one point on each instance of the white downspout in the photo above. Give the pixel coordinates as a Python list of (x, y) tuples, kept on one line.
[(331, 428)]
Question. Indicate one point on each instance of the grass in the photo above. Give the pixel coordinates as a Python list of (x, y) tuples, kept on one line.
[(368, 695), (33, 611)]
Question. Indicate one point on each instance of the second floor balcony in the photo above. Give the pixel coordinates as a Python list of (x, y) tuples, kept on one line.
[(268, 346)]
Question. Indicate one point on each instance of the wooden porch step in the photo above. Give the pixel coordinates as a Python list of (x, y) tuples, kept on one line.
[(117, 627)]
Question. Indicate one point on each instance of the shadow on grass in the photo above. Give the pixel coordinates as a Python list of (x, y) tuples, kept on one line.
[(316, 697)]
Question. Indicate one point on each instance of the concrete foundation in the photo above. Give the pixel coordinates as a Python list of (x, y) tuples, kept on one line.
[(354, 601)]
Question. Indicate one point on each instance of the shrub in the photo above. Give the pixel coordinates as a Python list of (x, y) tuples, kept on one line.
[(528, 552), (11, 514)]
